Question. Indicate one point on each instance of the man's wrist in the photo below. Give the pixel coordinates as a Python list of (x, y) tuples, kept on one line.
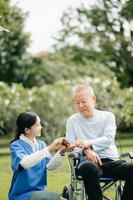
[(88, 144), (91, 147)]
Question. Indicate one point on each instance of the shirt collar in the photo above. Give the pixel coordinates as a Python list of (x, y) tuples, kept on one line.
[(32, 144)]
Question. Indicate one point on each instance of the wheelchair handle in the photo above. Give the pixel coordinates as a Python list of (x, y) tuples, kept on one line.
[(74, 155), (127, 154)]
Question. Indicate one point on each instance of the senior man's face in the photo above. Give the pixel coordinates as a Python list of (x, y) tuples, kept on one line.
[(85, 103)]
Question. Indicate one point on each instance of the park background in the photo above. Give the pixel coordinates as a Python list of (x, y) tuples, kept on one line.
[(94, 46)]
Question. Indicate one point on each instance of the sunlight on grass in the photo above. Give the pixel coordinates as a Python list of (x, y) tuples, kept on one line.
[(56, 179)]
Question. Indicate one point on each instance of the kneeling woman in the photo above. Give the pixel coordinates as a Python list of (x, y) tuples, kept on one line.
[(30, 159)]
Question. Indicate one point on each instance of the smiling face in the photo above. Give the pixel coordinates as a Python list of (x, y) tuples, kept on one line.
[(34, 130), (85, 103)]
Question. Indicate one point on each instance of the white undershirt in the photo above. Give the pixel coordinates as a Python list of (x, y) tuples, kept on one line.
[(34, 158)]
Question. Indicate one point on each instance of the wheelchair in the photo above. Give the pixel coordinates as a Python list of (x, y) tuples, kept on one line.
[(76, 191)]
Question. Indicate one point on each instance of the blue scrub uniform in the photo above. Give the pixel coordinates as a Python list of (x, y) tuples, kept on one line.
[(25, 181)]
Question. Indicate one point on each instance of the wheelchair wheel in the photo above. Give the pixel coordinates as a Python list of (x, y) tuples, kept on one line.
[(119, 192), (67, 192)]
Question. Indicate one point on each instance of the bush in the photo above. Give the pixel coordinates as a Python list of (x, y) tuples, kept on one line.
[(54, 103)]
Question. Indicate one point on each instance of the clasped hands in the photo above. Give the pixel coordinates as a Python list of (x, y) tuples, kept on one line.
[(64, 146), (62, 142)]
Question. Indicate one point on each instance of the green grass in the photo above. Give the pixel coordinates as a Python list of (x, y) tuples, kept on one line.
[(4, 149), (56, 179), (59, 178), (5, 139), (5, 176)]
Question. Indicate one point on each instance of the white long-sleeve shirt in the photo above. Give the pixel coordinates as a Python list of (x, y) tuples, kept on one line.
[(99, 130), (34, 158)]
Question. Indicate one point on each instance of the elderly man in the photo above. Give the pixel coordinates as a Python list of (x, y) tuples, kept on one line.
[(94, 131)]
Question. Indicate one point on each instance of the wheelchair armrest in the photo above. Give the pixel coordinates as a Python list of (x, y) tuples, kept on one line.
[(127, 154), (74, 159), (74, 155)]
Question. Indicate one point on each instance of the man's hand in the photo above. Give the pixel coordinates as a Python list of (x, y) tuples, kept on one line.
[(82, 143), (92, 156)]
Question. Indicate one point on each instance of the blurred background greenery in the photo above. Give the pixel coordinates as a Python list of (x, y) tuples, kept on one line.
[(101, 55)]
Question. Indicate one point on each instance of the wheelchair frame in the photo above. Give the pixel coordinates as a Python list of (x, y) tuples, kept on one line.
[(76, 190)]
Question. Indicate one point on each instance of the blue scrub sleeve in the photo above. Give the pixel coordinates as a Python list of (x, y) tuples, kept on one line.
[(17, 153)]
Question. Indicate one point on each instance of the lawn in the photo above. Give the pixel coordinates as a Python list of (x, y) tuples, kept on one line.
[(56, 179)]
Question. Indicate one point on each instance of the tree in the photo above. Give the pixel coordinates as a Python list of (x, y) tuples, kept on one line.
[(14, 58), (103, 32)]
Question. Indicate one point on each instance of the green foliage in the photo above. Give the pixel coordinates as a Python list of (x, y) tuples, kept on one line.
[(51, 76), (103, 33), (13, 100), (55, 67), (15, 62), (54, 103)]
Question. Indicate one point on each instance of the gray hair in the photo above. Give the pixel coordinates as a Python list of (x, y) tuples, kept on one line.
[(80, 88)]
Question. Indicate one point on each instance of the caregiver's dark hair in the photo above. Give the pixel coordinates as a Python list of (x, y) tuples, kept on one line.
[(24, 120)]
